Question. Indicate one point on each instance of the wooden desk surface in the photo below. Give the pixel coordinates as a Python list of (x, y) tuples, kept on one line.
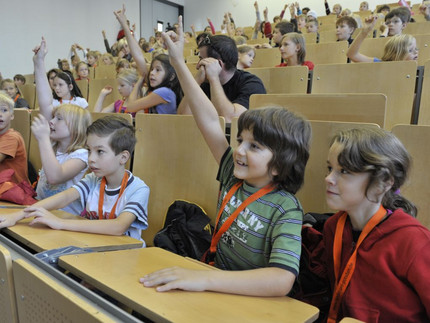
[(117, 274), (40, 238)]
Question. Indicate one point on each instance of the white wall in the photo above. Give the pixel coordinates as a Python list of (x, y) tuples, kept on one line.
[(62, 23), (243, 11)]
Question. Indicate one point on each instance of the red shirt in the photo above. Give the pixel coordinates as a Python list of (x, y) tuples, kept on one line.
[(309, 64)]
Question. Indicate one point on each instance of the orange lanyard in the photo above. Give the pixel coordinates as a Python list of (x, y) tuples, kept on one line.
[(70, 101), (342, 283), (16, 97), (261, 192), (120, 110), (102, 196)]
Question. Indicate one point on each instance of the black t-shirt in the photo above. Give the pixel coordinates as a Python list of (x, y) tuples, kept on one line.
[(239, 88)]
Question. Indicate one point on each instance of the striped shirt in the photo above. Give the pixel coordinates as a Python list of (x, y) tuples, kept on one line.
[(267, 233)]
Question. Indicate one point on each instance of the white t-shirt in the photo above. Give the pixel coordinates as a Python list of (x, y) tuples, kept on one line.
[(75, 100)]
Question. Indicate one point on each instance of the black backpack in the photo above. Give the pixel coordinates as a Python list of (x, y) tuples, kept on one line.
[(186, 231)]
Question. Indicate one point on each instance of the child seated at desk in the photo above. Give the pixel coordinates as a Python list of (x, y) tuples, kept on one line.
[(258, 231), (110, 193), (12, 148)]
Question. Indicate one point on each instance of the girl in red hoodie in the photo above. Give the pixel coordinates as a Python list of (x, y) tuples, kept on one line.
[(378, 254)]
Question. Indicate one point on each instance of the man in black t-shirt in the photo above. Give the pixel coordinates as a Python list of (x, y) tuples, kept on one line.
[(227, 87)]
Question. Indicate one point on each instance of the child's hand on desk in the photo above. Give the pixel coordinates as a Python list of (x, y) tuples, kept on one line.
[(176, 278), (43, 216), (9, 220)]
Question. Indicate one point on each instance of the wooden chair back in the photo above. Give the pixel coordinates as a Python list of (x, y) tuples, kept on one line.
[(310, 38), (416, 189), (105, 72), (96, 85), (424, 113), (417, 28), (29, 78), (267, 57), (366, 108), (28, 92), (328, 36), (83, 86), (372, 78), (33, 150), (173, 159), (7, 290), (257, 41), (292, 79), (21, 123), (42, 299), (327, 53)]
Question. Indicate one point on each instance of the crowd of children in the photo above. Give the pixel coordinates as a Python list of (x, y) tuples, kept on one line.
[(374, 247)]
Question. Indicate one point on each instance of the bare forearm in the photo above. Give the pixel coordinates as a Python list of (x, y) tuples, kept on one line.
[(43, 90), (268, 281), (110, 227), (99, 104)]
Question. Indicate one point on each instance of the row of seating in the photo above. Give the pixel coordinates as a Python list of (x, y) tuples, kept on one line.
[(28, 294), (396, 80), (185, 169), (335, 52)]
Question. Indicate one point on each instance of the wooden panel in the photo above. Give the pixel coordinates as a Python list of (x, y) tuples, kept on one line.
[(310, 38), (7, 289), (83, 86), (96, 85), (41, 299), (28, 92), (292, 79), (312, 194), (33, 150), (121, 282), (417, 28), (105, 72), (173, 159), (21, 123), (424, 114), (267, 57), (372, 78), (368, 108), (327, 53), (416, 189)]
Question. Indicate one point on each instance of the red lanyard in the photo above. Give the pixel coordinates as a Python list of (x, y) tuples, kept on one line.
[(342, 283), (16, 97), (102, 193), (70, 101), (261, 192)]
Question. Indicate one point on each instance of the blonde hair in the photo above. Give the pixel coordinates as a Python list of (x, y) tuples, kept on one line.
[(244, 49), (396, 49), (77, 120), (297, 39), (128, 75), (108, 55), (121, 43), (5, 99)]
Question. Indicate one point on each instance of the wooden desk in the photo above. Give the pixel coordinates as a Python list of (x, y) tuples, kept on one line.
[(40, 238), (117, 274)]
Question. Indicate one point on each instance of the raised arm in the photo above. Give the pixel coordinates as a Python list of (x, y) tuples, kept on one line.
[(98, 107), (202, 108), (135, 49), (353, 50), (55, 172), (43, 90)]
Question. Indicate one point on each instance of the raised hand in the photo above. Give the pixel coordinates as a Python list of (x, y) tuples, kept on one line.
[(40, 128), (40, 51)]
